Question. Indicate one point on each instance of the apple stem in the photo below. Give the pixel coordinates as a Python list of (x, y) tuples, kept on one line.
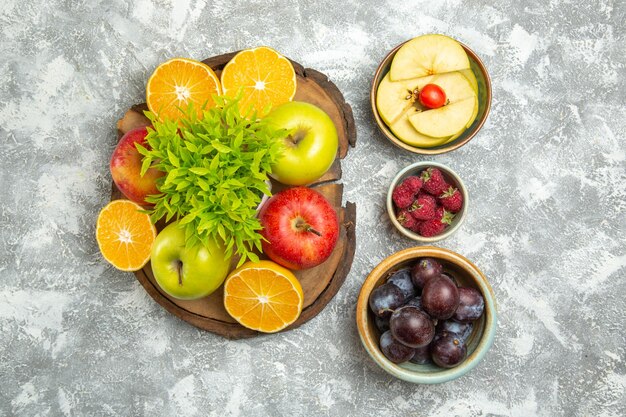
[(179, 271), (307, 228), (312, 230), (297, 136)]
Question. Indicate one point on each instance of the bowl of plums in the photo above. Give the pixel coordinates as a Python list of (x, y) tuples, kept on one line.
[(426, 315)]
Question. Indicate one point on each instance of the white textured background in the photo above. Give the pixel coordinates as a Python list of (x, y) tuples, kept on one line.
[(546, 177)]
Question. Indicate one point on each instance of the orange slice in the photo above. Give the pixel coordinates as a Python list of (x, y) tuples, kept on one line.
[(125, 235), (263, 296), (178, 82), (266, 77)]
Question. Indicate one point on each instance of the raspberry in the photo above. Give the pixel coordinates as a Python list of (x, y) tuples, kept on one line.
[(402, 196), (414, 183), (430, 228), (437, 225), (439, 212), (431, 200), (452, 200), (406, 220), (434, 183), (416, 226), (423, 208)]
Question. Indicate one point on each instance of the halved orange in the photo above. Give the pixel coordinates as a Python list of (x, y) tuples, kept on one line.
[(178, 82), (265, 76), (125, 235), (263, 296)]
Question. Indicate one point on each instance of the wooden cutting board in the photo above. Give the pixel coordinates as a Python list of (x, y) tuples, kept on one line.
[(321, 283)]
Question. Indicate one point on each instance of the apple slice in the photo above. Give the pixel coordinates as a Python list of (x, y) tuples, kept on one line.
[(453, 137), (393, 98), (456, 86), (469, 74), (444, 121), (405, 131), (427, 55), (474, 114)]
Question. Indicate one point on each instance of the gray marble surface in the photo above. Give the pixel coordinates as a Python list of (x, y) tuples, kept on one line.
[(546, 177)]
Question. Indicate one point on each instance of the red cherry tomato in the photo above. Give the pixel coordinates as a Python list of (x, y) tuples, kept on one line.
[(432, 96)]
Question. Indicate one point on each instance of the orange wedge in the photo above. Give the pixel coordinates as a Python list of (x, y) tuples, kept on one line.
[(178, 82), (266, 77), (125, 235), (263, 296)]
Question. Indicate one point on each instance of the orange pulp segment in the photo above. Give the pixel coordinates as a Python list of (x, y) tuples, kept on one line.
[(178, 82), (125, 235), (266, 77), (263, 296)]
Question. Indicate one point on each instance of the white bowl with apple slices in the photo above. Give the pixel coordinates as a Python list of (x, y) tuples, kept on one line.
[(430, 59)]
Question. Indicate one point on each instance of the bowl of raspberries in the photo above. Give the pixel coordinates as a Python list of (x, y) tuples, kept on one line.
[(427, 201), (426, 315)]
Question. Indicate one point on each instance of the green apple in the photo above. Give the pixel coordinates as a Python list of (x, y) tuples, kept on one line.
[(185, 272), (311, 142), (428, 55), (394, 98), (444, 121)]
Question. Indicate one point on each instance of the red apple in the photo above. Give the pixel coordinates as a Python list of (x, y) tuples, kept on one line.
[(126, 168), (301, 228)]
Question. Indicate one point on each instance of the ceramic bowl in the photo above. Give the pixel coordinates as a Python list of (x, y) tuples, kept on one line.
[(466, 275), (451, 178), (484, 104)]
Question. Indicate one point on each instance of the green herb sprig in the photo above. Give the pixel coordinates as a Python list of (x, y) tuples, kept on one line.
[(216, 170)]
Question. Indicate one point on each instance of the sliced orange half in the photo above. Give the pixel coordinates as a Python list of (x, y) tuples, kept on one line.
[(263, 296), (178, 82), (125, 235), (266, 77)]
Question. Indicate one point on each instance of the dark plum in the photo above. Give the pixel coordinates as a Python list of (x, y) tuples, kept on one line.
[(471, 305), (422, 355), (461, 330), (385, 299), (440, 298), (402, 280), (393, 350), (424, 270), (450, 277), (412, 327), (448, 351), (381, 324), (415, 302)]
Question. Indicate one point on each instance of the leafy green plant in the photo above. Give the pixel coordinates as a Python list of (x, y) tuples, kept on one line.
[(216, 171)]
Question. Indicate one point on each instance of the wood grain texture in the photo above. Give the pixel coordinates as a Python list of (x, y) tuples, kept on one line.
[(321, 283)]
